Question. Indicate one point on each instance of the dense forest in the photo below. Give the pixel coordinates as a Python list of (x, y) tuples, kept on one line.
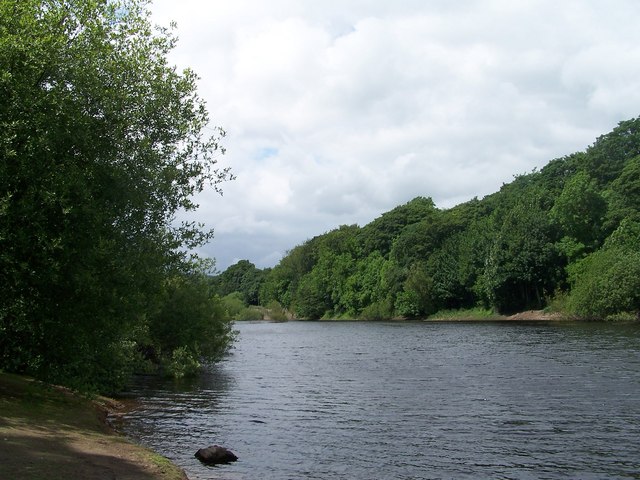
[(102, 142), (566, 237)]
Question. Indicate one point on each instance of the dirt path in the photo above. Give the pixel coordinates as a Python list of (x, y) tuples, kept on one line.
[(50, 434)]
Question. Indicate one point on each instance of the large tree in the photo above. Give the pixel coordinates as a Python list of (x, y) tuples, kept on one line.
[(102, 142)]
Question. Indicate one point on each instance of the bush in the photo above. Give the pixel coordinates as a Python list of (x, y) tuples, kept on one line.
[(183, 363), (233, 304), (276, 312), (606, 283), (250, 313), (190, 326), (379, 310)]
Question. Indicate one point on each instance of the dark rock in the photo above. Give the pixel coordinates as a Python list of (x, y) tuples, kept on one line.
[(215, 454)]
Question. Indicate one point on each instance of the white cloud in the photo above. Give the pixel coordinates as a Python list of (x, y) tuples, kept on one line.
[(340, 110)]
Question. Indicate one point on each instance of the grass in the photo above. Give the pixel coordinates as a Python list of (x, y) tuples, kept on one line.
[(468, 314)]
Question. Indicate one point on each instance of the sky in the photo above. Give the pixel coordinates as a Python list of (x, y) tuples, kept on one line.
[(337, 111)]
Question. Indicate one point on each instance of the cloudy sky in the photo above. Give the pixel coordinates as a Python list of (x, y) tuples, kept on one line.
[(340, 110)]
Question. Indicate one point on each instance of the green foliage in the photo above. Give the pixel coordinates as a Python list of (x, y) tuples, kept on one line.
[(242, 277), (606, 283), (102, 142), (418, 296), (252, 312), (182, 363), (191, 319), (276, 312), (312, 299), (378, 310), (523, 263), (538, 242), (476, 313), (237, 309), (607, 157), (580, 211), (283, 280), (233, 304), (624, 194), (626, 236), (380, 234), (364, 287)]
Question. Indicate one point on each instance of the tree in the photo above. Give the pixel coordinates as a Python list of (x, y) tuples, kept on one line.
[(101, 143), (512, 250), (380, 234), (190, 325), (607, 282), (624, 194), (243, 277), (523, 263), (606, 158), (580, 211), (364, 286), (282, 281)]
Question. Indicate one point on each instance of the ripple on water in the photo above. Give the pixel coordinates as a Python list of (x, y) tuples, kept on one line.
[(414, 400)]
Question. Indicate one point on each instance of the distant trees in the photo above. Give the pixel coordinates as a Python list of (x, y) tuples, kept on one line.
[(242, 277), (607, 282), (101, 143), (568, 229), (522, 262)]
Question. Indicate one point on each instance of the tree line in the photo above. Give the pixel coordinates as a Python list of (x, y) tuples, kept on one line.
[(102, 142), (566, 237)]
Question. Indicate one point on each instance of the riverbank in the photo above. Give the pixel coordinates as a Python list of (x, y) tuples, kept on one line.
[(48, 432), (480, 315)]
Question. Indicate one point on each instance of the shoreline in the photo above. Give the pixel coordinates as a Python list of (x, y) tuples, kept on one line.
[(50, 432), (453, 316), (526, 316)]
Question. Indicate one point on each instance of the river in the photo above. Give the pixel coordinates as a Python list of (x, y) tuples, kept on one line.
[(407, 400)]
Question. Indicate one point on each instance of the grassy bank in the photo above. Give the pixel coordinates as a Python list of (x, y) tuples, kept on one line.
[(48, 432)]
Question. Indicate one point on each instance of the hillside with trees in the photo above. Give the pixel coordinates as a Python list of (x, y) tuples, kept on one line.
[(566, 236), (102, 142)]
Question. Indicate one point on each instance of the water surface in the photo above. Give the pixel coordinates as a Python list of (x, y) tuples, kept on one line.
[(362, 401)]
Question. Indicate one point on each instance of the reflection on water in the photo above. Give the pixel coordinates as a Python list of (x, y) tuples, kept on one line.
[(313, 400)]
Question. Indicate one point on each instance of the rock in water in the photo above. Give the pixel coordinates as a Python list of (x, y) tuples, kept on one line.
[(215, 454)]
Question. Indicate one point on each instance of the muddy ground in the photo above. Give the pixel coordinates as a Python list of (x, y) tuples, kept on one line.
[(50, 433)]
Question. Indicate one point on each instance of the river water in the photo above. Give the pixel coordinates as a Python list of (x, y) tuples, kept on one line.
[(404, 400)]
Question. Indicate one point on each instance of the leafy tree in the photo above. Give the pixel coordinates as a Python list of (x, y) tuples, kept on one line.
[(417, 296), (510, 250), (580, 211), (380, 234), (555, 174), (321, 291), (473, 250), (233, 304), (419, 240), (448, 290), (607, 282), (101, 143), (281, 283), (191, 323), (624, 194), (606, 158), (364, 286), (241, 277), (312, 299), (523, 262)]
